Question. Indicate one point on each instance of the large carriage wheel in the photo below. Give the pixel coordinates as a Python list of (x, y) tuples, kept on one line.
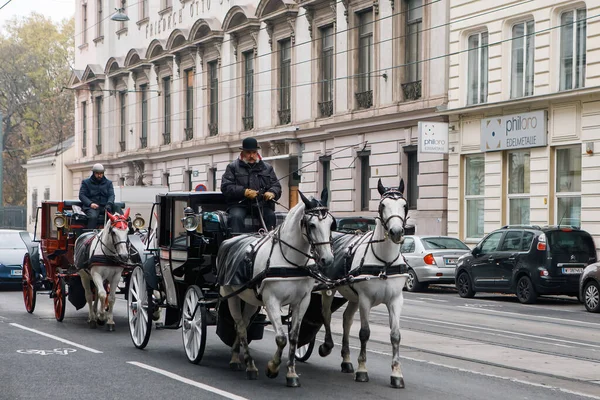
[(59, 299), (28, 280), (139, 308), (193, 321)]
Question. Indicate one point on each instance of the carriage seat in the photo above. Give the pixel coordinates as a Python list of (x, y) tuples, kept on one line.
[(78, 216)]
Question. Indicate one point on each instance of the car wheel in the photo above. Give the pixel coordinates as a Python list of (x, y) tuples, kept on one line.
[(412, 283), (525, 291), (464, 286), (591, 297)]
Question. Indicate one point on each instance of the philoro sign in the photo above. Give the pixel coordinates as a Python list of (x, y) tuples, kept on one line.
[(433, 137), (518, 131)]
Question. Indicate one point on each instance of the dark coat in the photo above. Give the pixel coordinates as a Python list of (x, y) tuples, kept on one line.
[(240, 176), (99, 191)]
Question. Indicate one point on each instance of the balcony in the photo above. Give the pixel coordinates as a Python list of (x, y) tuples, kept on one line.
[(98, 149), (166, 138), (364, 99), (412, 90), (143, 142), (285, 117), (248, 123), (189, 133), (122, 145), (213, 129), (326, 108)]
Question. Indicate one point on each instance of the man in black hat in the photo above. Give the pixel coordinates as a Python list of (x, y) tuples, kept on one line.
[(243, 181)]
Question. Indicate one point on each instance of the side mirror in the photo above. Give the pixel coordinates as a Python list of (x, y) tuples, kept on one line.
[(476, 251), (409, 229)]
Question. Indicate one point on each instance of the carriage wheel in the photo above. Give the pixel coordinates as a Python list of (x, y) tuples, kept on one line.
[(303, 352), (29, 290), (193, 321), (139, 308), (59, 299)]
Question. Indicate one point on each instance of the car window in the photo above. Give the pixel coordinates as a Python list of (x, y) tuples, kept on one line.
[(408, 246), (512, 241), (11, 240), (432, 243), (358, 224), (570, 242), (527, 240), (490, 243)]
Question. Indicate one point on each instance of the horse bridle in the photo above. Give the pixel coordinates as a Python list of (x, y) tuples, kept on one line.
[(113, 225), (394, 195)]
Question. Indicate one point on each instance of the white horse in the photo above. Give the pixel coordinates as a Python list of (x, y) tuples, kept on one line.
[(100, 257), (374, 260), (304, 236)]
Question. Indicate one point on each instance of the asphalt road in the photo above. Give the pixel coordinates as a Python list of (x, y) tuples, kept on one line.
[(489, 347)]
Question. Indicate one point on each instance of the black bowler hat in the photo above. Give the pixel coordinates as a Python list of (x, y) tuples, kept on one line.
[(249, 144)]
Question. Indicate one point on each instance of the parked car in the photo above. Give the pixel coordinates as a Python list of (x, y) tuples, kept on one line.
[(431, 259), (12, 251), (527, 260), (589, 287), (355, 224)]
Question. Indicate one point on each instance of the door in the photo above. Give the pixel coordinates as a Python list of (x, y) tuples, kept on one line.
[(506, 258), (484, 261)]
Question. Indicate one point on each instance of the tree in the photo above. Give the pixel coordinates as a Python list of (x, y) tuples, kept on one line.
[(35, 65)]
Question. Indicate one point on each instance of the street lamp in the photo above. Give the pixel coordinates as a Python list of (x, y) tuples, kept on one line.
[(120, 15)]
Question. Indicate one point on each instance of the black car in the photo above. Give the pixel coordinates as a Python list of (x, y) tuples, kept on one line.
[(355, 224), (528, 261)]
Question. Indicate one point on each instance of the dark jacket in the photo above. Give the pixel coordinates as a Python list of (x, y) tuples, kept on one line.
[(240, 176), (99, 191)]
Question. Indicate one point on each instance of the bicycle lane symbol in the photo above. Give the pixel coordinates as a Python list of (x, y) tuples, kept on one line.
[(59, 351)]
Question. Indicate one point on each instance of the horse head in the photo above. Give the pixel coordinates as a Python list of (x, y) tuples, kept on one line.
[(118, 229), (317, 224), (393, 211)]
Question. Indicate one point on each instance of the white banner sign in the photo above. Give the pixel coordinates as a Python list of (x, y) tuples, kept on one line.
[(517, 131), (433, 137)]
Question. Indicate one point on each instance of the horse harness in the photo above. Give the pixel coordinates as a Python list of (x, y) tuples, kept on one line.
[(110, 259)]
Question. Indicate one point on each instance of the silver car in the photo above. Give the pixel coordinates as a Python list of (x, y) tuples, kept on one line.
[(431, 259)]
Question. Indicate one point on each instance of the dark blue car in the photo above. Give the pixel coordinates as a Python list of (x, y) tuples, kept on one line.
[(12, 251)]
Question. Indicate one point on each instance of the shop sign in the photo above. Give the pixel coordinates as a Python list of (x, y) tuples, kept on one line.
[(518, 131), (433, 137)]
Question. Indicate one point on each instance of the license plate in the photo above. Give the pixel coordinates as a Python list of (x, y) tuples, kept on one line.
[(568, 271), (16, 272), (451, 261)]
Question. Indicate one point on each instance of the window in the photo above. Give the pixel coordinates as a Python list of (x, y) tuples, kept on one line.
[(474, 192), (99, 125), (512, 241), (364, 96), (47, 193), (326, 103), (414, 26), (167, 110), (412, 184), (326, 175), (522, 65), (572, 49), (84, 128), (212, 174), (144, 11), (365, 176), (213, 123), (568, 186), (189, 104), (478, 68), (123, 118), (144, 104), (248, 118), (84, 24), (527, 240), (408, 246), (518, 188), (34, 203), (285, 90), (99, 18), (490, 244)]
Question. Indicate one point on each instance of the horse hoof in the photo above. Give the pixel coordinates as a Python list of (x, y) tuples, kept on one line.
[(324, 350), (397, 382), (92, 324), (252, 375), (361, 377), (110, 327), (347, 368), (236, 366), (272, 375), (100, 322), (292, 382)]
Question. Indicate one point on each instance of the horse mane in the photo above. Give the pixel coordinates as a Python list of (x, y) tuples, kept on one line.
[(295, 215)]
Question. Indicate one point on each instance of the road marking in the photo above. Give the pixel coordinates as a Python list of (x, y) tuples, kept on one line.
[(82, 347), (60, 352), (413, 301), (188, 381), (534, 316), (429, 299)]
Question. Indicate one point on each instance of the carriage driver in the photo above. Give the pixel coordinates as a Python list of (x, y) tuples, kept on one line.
[(97, 195), (244, 180)]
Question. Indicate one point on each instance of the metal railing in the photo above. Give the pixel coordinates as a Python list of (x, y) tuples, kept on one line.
[(189, 133), (166, 138), (213, 129), (411, 90), (326, 108), (364, 99), (122, 145), (285, 117), (143, 142), (98, 149), (248, 123)]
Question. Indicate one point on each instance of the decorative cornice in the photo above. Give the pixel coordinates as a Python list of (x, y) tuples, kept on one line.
[(310, 15), (392, 4), (218, 49), (270, 27), (254, 36), (234, 43), (345, 3), (376, 7), (292, 23)]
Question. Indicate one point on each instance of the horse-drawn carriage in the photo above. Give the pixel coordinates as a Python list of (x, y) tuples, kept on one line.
[(49, 264)]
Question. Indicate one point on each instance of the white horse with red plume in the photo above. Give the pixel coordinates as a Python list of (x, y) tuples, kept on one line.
[(101, 257)]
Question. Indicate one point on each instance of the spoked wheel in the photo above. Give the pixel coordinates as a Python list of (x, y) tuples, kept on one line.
[(28, 280), (303, 353), (139, 308), (60, 295), (193, 321), (591, 297)]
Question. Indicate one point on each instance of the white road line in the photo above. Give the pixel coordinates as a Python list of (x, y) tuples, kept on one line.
[(82, 347), (533, 316), (413, 301), (428, 299), (188, 381)]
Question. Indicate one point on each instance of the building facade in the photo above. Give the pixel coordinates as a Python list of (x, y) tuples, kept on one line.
[(524, 115), (336, 87)]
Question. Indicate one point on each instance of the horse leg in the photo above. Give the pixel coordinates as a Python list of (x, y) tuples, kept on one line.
[(348, 318), (235, 308), (100, 296), (298, 312), (394, 310), (273, 308), (112, 294), (235, 364), (326, 301), (89, 298), (364, 334)]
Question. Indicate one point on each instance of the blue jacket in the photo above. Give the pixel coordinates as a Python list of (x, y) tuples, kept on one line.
[(99, 191)]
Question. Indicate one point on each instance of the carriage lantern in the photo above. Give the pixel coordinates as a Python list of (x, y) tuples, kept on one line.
[(138, 221), (190, 221), (59, 219)]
